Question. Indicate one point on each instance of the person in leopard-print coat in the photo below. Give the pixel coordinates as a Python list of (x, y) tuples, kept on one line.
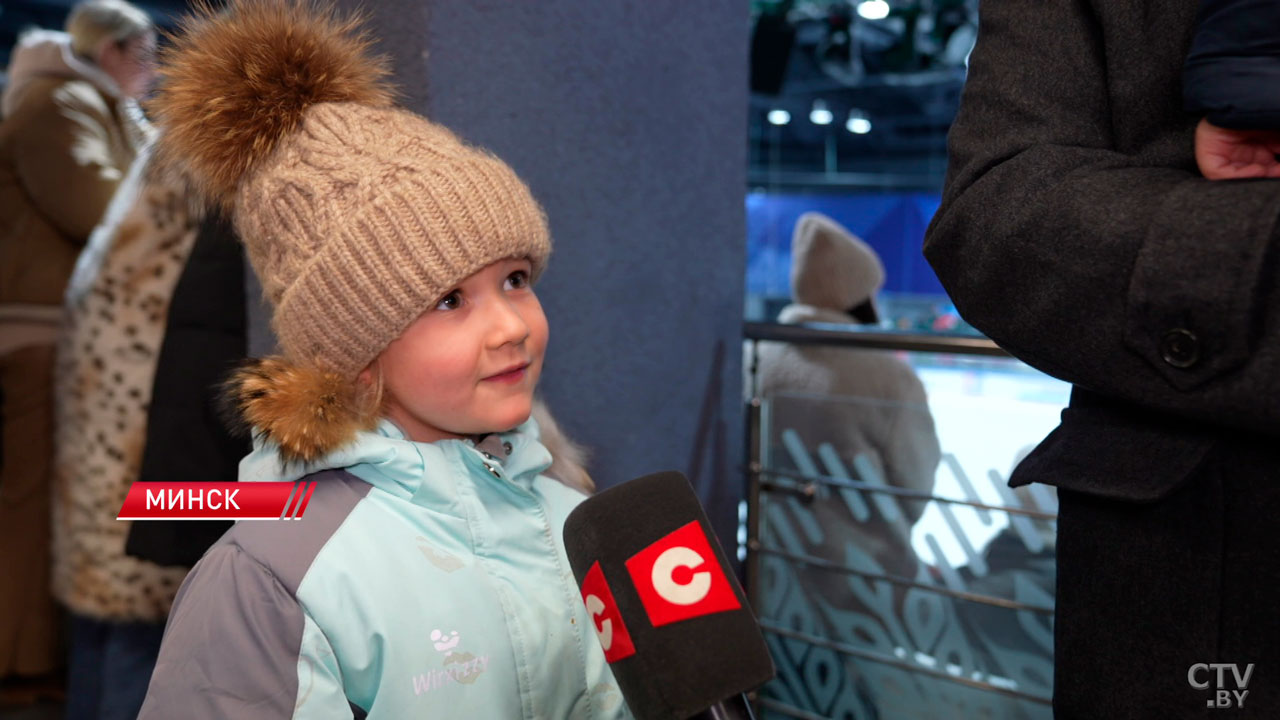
[(116, 308)]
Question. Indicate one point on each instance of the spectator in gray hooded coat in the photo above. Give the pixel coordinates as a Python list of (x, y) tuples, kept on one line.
[(868, 405)]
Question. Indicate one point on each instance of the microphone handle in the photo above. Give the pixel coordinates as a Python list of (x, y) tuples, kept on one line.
[(734, 708)]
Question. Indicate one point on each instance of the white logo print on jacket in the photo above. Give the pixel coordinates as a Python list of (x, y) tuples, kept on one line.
[(458, 666)]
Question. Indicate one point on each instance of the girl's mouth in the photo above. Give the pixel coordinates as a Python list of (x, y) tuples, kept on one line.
[(511, 376)]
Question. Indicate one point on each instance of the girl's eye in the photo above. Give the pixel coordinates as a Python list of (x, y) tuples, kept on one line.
[(517, 280), (450, 302)]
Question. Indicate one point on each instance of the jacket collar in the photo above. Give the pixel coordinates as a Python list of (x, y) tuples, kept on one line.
[(424, 473)]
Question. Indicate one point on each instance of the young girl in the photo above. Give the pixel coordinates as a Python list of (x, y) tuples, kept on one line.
[(428, 577)]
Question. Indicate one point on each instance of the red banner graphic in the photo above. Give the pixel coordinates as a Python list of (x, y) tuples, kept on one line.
[(217, 501)]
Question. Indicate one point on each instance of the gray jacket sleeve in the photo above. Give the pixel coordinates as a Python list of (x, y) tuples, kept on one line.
[(233, 648), (1075, 232)]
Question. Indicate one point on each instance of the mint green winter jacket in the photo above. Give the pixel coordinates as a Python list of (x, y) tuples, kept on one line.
[(425, 580)]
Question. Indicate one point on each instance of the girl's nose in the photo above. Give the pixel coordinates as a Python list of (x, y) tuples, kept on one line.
[(508, 324)]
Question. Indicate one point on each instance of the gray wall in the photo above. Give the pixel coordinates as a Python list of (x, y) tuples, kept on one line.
[(628, 120)]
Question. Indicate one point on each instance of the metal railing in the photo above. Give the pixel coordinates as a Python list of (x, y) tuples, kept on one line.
[(839, 336)]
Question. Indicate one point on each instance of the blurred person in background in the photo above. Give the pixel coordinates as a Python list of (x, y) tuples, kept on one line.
[(868, 406), (71, 128)]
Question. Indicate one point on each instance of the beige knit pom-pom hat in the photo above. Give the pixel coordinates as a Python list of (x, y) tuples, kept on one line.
[(357, 215)]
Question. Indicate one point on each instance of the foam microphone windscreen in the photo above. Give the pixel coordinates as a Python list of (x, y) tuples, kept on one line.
[(674, 622)]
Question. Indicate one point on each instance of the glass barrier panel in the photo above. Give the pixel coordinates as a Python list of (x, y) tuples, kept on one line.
[(899, 576)]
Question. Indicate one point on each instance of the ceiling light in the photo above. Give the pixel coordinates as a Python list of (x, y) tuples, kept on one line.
[(820, 115), (873, 9), (858, 123)]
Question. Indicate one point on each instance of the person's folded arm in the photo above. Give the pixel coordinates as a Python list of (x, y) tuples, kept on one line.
[(1124, 272)]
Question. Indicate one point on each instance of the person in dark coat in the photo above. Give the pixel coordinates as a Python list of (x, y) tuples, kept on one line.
[(1076, 232), (205, 338), (1232, 79)]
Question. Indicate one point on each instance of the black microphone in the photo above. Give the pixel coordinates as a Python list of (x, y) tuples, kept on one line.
[(674, 623)]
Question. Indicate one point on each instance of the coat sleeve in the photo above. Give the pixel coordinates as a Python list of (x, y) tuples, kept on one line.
[(1232, 73), (1126, 275), (65, 162), (238, 645)]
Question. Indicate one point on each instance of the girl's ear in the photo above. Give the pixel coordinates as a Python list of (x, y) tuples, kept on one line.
[(369, 384), (371, 376)]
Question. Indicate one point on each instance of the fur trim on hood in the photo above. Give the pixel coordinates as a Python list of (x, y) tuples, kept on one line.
[(47, 53), (568, 458)]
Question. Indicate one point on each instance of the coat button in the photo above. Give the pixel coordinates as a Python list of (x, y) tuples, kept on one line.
[(506, 448), (1180, 348)]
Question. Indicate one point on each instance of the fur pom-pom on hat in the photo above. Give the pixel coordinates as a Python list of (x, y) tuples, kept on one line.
[(235, 82)]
